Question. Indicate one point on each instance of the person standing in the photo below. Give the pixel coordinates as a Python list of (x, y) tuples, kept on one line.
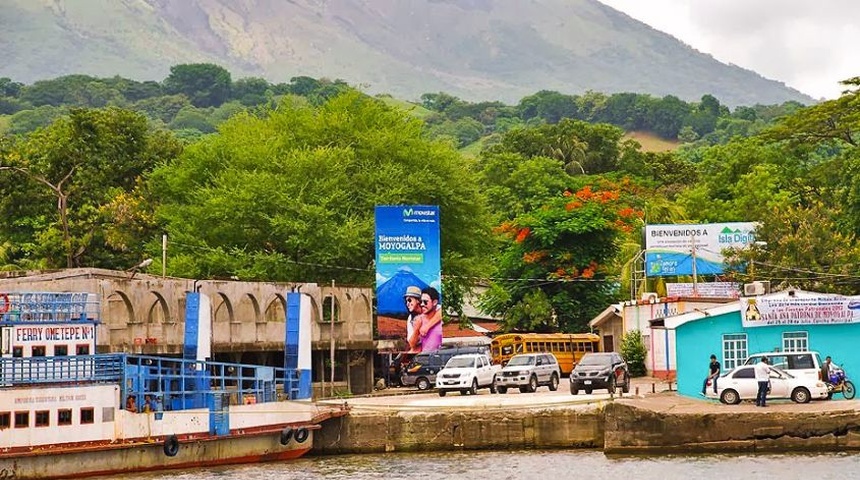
[(762, 376), (429, 326), (412, 297), (713, 374), (825, 370)]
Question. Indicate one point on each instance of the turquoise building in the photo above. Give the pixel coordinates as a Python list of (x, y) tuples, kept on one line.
[(787, 321)]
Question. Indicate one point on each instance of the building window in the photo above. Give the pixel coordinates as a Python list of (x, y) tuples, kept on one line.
[(5, 420), (87, 416), (734, 350), (61, 350), (64, 417), (795, 341), (43, 418), (22, 419)]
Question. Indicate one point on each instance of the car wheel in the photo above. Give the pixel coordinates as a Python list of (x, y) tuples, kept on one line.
[(493, 387), (626, 388), (442, 393), (502, 390), (588, 391), (533, 383), (573, 390), (553, 383), (730, 397), (524, 389), (473, 390), (611, 387), (422, 384), (800, 395)]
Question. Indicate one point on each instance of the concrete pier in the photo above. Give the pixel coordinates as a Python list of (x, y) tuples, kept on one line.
[(653, 423)]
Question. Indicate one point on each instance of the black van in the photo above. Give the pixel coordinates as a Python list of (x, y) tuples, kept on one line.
[(421, 371)]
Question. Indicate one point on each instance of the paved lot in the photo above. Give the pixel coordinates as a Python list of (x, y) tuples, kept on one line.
[(408, 398), (662, 399)]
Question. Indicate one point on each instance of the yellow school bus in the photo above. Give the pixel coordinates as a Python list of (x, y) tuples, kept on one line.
[(568, 348)]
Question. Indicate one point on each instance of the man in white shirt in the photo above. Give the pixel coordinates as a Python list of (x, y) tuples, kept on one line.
[(762, 376)]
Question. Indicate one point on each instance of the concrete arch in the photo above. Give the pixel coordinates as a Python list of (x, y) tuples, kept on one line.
[(159, 312), (118, 310), (276, 310), (315, 310), (224, 311), (327, 307), (248, 309)]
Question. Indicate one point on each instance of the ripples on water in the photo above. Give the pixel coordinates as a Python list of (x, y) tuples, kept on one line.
[(536, 464)]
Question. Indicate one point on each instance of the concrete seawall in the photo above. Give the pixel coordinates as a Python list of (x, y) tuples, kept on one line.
[(377, 432), (661, 423)]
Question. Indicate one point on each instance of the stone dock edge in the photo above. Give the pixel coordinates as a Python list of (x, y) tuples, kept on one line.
[(622, 426)]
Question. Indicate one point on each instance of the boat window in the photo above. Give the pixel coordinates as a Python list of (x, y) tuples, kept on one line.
[(43, 418), (5, 420), (22, 419), (37, 351), (17, 352), (64, 416), (82, 350), (87, 415), (61, 350)]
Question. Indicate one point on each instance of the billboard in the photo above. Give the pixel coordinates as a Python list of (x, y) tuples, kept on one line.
[(669, 248), (811, 310), (409, 271)]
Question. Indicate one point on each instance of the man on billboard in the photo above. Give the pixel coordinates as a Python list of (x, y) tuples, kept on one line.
[(427, 333)]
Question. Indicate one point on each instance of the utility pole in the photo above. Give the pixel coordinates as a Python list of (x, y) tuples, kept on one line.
[(164, 255), (331, 341), (693, 252)]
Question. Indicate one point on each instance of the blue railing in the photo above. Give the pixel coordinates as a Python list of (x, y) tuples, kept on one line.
[(37, 307), (160, 383)]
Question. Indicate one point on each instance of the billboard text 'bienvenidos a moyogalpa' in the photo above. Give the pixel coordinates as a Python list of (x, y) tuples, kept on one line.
[(669, 248), (407, 253)]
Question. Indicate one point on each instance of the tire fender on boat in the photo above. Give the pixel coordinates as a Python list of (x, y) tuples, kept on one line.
[(286, 435), (302, 435), (171, 446)]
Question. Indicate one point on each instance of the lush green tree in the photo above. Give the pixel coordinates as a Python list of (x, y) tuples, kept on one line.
[(60, 177), (289, 194), (190, 118), (667, 116), (8, 88), (548, 105), (516, 185), (162, 108), (56, 92), (25, 121), (205, 84), (251, 91), (554, 268), (634, 352)]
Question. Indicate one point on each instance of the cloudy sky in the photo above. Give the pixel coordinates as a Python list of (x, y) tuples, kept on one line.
[(809, 45)]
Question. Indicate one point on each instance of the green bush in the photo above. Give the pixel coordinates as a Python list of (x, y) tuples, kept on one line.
[(633, 349)]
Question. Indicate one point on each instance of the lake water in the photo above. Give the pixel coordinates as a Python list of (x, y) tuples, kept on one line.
[(536, 464)]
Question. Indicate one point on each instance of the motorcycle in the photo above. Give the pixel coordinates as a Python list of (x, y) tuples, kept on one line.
[(839, 383)]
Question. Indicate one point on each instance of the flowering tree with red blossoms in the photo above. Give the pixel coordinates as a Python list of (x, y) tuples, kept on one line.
[(556, 272)]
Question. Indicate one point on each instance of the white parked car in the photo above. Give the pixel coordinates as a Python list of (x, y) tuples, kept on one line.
[(740, 384), (466, 374)]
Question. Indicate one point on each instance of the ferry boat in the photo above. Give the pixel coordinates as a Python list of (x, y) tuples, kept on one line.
[(67, 412)]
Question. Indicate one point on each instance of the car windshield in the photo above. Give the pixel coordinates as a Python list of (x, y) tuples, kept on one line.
[(595, 360), (455, 362), (520, 361)]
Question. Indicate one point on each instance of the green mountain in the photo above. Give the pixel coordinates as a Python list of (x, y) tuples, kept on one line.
[(474, 49)]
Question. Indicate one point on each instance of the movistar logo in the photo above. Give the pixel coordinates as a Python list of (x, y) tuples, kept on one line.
[(409, 212)]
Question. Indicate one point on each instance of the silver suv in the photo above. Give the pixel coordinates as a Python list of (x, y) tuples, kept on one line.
[(528, 371)]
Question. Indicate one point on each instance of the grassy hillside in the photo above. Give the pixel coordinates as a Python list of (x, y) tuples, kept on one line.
[(653, 143), (4, 123), (414, 109), (475, 49)]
